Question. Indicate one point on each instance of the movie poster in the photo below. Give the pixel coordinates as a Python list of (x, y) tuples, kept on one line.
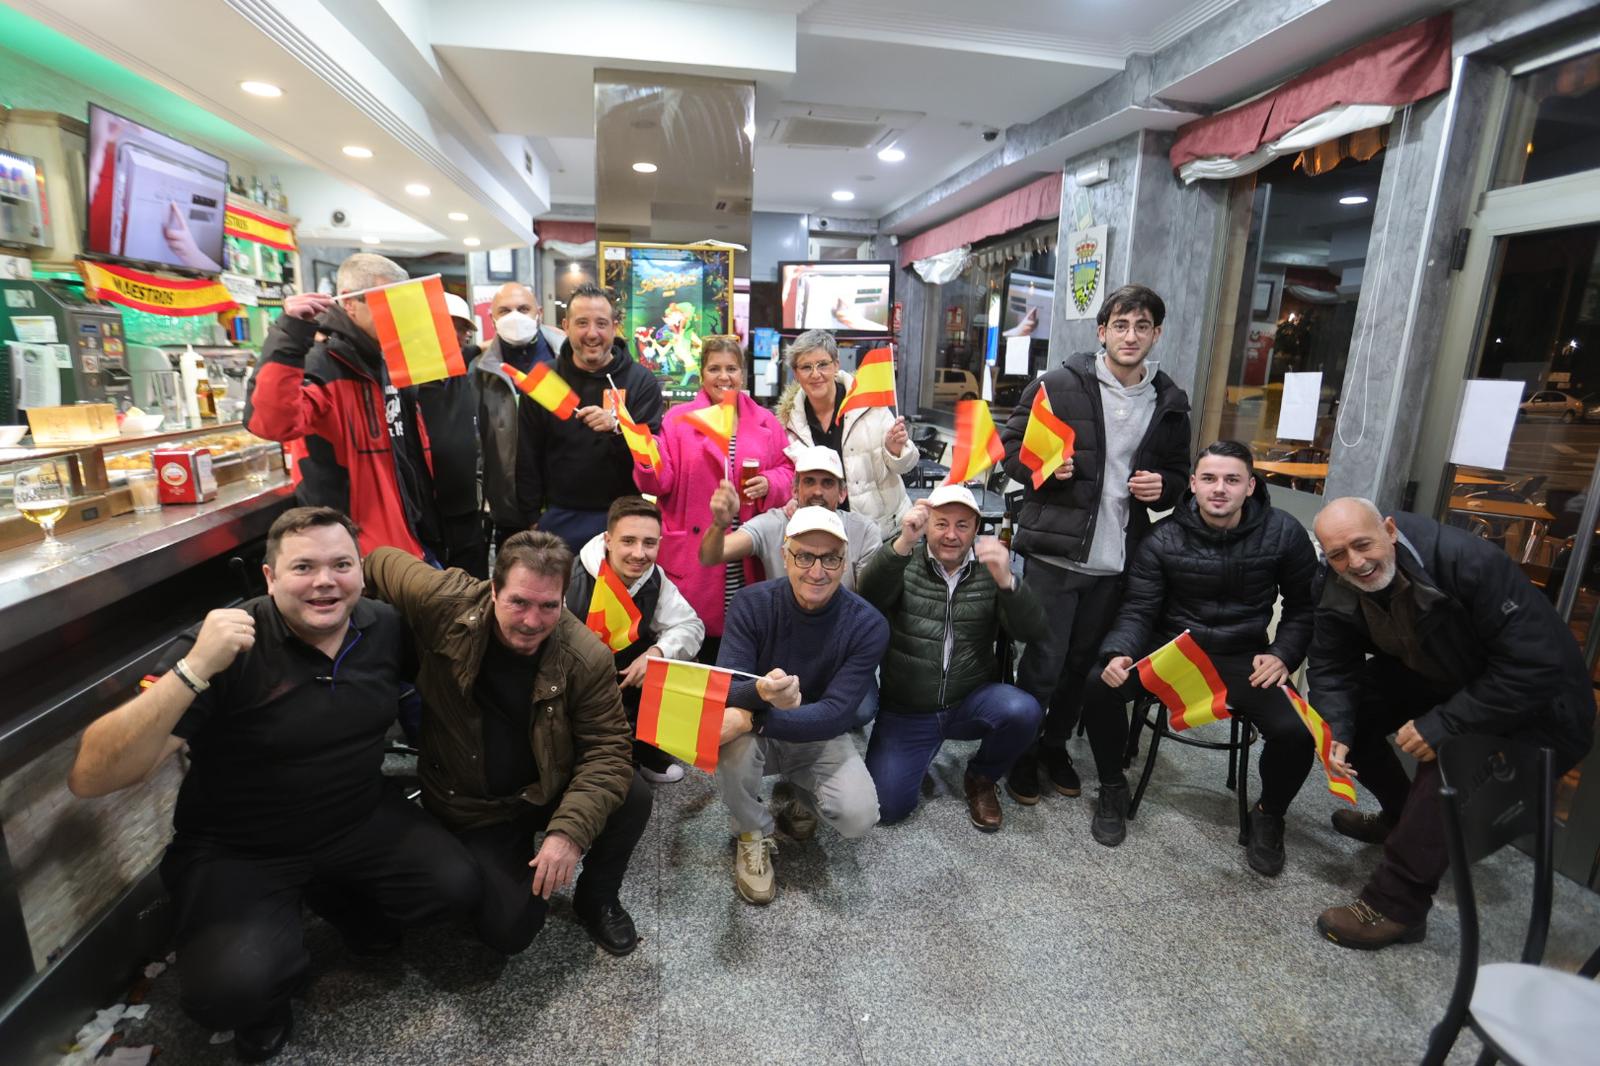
[(670, 299)]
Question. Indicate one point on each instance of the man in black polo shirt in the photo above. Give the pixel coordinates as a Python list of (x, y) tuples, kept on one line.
[(284, 703)]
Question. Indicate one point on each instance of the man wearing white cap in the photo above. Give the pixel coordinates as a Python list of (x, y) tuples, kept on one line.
[(450, 412), (815, 646), (947, 593)]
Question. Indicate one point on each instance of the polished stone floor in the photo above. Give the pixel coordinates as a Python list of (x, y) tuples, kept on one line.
[(930, 943)]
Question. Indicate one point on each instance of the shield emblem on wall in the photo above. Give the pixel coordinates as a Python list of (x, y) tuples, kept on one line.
[(1086, 271)]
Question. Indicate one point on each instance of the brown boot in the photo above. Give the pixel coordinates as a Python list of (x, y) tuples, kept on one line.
[(983, 802), (1368, 827), (1357, 925)]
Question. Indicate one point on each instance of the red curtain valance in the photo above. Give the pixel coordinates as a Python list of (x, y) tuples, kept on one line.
[(1037, 200), (1399, 68), (571, 232)]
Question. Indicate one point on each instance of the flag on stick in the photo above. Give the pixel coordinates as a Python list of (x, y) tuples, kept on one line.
[(1047, 442), (641, 442), (546, 388), (874, 382), (977, 445), (415, 332), (1184, 678), (1322, 736), (613, 615), (680, 710), (716, 421)]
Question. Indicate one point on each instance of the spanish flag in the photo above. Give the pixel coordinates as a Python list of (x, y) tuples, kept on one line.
[(415, 332), (1047, 442), (1183, 677), (977, 446), (680, 710), (1322, 736), (545, 386), (716, 421), (613, 615), (641, 442), (874, 382)]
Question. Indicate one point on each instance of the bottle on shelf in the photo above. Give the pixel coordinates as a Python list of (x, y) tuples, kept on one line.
[(207, 399), (257, 193)]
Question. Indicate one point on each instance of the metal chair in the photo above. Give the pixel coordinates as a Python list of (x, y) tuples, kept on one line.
[(1241, 736), (1494, 791)]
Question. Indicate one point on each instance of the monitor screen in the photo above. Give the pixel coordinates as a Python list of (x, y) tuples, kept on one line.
[(844, 295), (1025, 294), (153, 199)]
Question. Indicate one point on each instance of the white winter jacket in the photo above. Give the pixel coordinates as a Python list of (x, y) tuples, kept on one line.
[(678, 630), (871, 471)]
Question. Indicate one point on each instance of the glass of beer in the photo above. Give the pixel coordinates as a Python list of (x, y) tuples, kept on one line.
[(748, 469), (42, 499)]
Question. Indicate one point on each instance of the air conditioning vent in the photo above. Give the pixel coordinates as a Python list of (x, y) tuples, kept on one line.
[(802, 132)]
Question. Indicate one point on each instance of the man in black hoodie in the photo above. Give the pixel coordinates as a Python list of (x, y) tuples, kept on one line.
[(1215, 568), (569, 471)]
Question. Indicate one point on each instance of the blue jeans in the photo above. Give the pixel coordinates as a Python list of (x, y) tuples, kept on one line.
[(902, 747), (577, 528)]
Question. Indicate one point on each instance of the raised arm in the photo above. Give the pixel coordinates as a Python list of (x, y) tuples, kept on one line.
[(281, 405)]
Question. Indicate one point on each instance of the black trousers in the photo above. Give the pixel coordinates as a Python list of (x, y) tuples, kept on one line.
[(466, 545), (510, 915), (1286, 750), (1053, 670), (241, 948)]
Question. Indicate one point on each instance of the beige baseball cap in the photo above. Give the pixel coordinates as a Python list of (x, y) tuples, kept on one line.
[(816, 457), (946, 494), (816, 520), (458, 307)]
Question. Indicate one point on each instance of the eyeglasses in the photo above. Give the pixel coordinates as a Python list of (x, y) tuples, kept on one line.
[(806, 560), (1122, 327), (814, 368)]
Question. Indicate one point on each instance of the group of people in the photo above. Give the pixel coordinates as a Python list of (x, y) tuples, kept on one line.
[(792, 555)]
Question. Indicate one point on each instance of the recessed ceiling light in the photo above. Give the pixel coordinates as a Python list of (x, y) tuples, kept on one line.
[(644, 168), (457, 216), (471, 242), (843, 195), (416, 188), (355, 151), (261, 88), (1351, 201), (891, 155), (369, 239)]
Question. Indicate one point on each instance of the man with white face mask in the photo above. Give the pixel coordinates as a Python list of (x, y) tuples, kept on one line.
[(522, 340)]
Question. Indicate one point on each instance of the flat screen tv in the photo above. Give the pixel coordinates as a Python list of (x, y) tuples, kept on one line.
[(1025, 293), (153, 199), (841, 295)]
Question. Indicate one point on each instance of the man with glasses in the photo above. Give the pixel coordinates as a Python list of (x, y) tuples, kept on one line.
[(814, 647), (947, 592), (1078, 530)]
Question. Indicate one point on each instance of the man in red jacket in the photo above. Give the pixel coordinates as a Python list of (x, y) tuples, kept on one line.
[(362, 446)]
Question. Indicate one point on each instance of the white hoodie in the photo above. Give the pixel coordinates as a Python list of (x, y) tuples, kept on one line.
[(677, 629)]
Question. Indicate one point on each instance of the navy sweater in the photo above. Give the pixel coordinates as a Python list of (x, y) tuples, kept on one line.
[(833, 651)]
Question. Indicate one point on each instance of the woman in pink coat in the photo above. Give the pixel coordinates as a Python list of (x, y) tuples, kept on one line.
[(691, 469)]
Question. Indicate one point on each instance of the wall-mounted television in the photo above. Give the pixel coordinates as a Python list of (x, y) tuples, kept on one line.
[(1025, 293), (842, 295), (152, 198)]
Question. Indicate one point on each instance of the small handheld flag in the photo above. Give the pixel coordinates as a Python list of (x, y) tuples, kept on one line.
[(977, 445), (545, 387), (1184, 678), (680, 710), (874, 382), (641, 442), (716, 421), (1322, 737), (613, 615), (415, 332), (1047, 442)]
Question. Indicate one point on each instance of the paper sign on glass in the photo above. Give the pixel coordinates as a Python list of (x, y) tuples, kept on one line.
[(1017, 350), (1297, 416), (1483, 429)]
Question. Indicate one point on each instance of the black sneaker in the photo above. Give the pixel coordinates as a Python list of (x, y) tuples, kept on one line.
[(258, 1043), (1023, 780), (1367, 828), (1058, 767), (1265, 853), (1110, 825)]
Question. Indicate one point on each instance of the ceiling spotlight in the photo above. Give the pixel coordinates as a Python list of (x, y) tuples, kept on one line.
[(1352, 201), (369, 239), (457, 216), (416, 188), (355, 151), (471, 242), (843, 195), (644, 168), (261, 88), (891, 155)]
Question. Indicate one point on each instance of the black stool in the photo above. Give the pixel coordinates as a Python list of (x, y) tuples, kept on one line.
[(1241, 736)]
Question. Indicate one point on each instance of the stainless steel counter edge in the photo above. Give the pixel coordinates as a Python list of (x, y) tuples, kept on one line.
[(123, 556)]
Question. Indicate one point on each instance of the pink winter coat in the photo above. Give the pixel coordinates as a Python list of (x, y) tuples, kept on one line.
[(691, 469)]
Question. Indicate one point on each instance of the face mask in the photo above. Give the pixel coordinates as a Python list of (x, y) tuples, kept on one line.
[(516, 327)]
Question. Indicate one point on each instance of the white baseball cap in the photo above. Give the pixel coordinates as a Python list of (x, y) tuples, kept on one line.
[(953, 494), (817, 457), (459, 308), (816, 520)]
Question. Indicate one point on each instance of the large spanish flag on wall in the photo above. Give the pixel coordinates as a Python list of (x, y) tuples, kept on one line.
[(613, 615), (680, 710), (546, 388), (1184, 678), (977, 445), (153, 293), (874, 382), (415, 332), (1322, 736), (1047, 442)]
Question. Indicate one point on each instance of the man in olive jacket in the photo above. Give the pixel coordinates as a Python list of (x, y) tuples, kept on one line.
[(523, 732), (947, 600)]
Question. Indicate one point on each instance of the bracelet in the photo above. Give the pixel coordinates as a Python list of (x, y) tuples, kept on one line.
[(186, 675)]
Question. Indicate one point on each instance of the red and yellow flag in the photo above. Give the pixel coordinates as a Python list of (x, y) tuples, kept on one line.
[(237, 222), (154, 293), (641, 442), (545, 387), (716, 421), (1184, 678), (680, 710), (874, 382), (613, 615), (415, 332), (1322, 736), (977, 446), (1047, 442)]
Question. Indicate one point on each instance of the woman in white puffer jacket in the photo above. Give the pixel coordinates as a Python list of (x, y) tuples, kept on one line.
[(872, 442)]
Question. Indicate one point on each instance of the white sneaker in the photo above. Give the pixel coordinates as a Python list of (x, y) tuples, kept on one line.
[(664, 777), (752, 868)]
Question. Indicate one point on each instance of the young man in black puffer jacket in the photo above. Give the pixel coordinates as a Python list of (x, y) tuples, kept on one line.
[(1215, 568)]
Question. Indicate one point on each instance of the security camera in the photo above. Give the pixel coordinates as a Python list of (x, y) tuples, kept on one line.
[(822, 223), (340, 218), (990, 135)]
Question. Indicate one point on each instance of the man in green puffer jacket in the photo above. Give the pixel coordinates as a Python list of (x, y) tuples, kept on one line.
[(946, 601)]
